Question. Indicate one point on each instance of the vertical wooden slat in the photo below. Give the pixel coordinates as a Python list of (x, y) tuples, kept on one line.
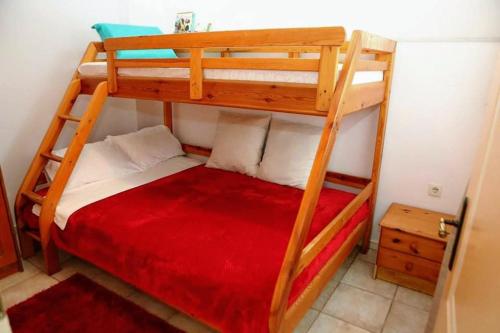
[(112, 81), (196, 77), (293, 54), (326, 77), (225, 54), (313, 187), (379, 144), (167, 115)]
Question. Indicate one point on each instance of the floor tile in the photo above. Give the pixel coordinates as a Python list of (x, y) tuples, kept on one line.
[(360, 275), (188, 324), (327, 292), (413, 298), (328, 324), (75, 265), (29, 271), (24, 290), (358, 307), (114, 284), (307, 321), (152, 305), (370, 256), (405, 319)]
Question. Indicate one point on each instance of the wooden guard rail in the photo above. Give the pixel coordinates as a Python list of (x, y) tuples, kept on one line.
[(328, 42)]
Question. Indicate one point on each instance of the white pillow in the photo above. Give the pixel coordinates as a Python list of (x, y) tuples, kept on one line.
[(98, 161), (148, 146), (238, 143), (290, 151)]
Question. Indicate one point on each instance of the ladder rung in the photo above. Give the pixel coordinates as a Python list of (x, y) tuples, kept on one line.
[(35, 197), (52, 157), (69, 117)]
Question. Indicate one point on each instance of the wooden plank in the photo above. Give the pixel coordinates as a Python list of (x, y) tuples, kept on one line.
[(298, 309), (238, 38), (327, 77), (154, 63), (318, 243), (112, 72), (346, 180), (167, 115), (371, 65), (70, 117), (196, 74), (34, 197), (373, 43), (379, 142), (280, 97), (99, 46), (227, 51), (262, 63), (364, 95), (313, 188)]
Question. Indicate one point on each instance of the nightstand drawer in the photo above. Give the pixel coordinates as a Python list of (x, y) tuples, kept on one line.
[(411, 244), (412, 265)]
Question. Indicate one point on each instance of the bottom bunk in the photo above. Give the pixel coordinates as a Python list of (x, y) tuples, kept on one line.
[(206, 241)]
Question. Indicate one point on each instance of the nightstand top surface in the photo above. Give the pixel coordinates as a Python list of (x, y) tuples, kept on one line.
[(416, 221)]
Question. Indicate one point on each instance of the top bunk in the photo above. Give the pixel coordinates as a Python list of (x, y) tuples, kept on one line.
[(286, 70)]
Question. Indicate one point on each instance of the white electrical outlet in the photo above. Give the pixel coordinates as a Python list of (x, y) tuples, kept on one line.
[(434, 190)]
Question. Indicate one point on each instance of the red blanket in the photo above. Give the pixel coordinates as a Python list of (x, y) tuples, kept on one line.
[(206, 241)]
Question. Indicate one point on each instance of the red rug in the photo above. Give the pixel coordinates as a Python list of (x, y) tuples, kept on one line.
[(80, 305)]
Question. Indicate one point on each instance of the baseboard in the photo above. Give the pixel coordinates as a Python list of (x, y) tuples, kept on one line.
[(373, 245)]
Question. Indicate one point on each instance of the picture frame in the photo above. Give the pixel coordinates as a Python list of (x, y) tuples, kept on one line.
[(185, 22)]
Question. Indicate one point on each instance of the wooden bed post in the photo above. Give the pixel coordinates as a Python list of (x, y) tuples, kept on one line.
[(167, 115), (315, 183), (379, 144)]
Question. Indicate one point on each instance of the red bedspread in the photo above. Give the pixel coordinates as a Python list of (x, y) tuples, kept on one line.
[(206, 241)]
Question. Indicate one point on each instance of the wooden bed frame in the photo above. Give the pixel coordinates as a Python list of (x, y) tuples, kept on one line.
[(333, 97)]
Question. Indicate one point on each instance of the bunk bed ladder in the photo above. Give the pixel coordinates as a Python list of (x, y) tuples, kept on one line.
[(27, 192)]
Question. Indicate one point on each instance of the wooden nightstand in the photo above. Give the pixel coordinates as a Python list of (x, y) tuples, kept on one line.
[(410, 250)]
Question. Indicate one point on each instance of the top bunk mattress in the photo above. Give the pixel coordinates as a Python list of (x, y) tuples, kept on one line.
[(99, 69)]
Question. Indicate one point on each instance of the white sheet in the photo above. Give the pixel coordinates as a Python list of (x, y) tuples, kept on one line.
[(74, 199), (100, 69)]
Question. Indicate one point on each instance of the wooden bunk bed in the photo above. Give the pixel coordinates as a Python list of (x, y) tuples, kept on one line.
[(333, 97)]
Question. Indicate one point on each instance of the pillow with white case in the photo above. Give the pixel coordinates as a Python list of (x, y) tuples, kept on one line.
[(239, 141), (290, 152), (148, 146), (97, 161)]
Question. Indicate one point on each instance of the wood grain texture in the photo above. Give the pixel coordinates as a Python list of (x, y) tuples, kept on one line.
[(168, 116), (327, 77), (411, 244), (408, 264), (405, 280), (240, 38)]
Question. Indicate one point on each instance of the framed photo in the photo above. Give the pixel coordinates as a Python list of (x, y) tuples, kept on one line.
[(184, 22)]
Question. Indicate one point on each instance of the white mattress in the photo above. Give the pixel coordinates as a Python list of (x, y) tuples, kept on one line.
[(100, 69), (77, 198)]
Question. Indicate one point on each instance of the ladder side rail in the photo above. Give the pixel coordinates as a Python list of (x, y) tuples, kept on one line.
[(69, 161), (313, 188)]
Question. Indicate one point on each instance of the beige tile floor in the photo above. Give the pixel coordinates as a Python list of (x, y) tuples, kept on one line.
[(352, 302)]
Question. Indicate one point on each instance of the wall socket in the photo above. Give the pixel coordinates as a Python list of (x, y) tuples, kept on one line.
[(434, 190)]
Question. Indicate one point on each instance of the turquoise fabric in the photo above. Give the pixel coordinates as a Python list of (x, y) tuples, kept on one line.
[(110, 30)]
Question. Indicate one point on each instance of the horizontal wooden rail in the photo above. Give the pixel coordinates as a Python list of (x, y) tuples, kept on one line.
[(225, 63), (241, 38), (346, 180), (318, 243), (371, 65), (364, 95)]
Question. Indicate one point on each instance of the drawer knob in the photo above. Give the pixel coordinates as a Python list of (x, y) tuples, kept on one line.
[(396, 240), (414, 248), (409, 266)]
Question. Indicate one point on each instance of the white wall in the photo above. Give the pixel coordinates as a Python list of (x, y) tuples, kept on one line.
[(445, 57), (41, 45)]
